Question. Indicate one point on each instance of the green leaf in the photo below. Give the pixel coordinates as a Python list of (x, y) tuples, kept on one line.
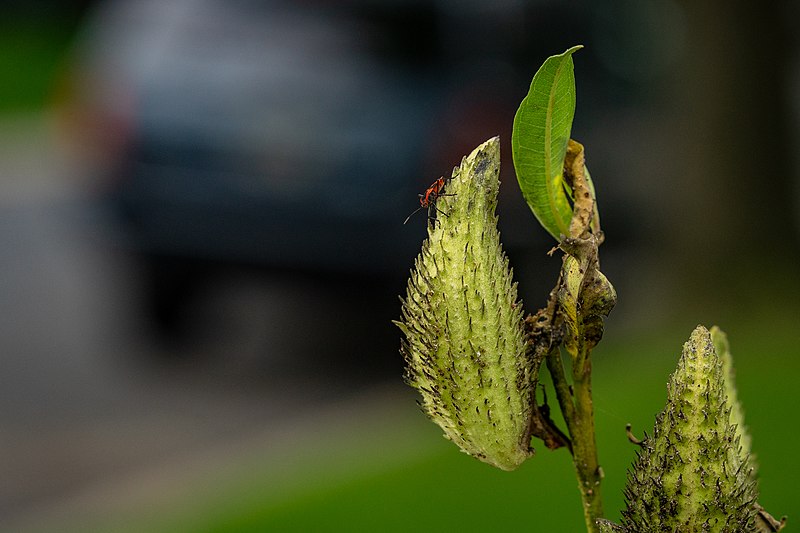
[(539, 140)]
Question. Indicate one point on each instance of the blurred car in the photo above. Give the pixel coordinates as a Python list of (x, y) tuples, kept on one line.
[(281, 134), (293, 135)]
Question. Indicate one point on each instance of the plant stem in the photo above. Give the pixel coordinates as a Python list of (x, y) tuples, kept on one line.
[(585, 296), (577, 408), (585, 448)]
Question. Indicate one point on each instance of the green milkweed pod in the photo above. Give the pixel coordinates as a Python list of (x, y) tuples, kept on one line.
[(737, 413), (464, 338), (690, 475)]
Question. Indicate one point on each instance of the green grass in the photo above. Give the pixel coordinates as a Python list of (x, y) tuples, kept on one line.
[(390, 470)]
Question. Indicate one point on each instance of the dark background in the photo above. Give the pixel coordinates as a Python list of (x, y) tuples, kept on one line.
[(202, 247)]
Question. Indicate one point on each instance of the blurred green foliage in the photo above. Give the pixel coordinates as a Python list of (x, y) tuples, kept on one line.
[(33, 46)]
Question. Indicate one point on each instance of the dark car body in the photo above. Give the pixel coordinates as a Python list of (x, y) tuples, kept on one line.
[(266, 133)]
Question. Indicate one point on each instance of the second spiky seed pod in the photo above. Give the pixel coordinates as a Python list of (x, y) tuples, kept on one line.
[(690, 475)]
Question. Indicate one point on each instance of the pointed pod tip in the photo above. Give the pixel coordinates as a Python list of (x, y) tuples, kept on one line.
[(700, 334), (698, 350), (492, 143), (719, 336)]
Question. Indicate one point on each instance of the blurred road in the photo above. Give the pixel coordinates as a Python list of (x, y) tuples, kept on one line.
[(85, 397)]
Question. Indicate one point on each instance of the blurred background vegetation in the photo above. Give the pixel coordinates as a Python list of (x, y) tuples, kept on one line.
[(202, 244)]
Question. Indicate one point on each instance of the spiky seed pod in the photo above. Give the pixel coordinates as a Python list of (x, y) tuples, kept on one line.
[(689, 476), (764, 521), (465, 346), (729, 374)]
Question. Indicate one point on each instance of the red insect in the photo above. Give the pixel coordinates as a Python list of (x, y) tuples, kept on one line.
[(428, 199)]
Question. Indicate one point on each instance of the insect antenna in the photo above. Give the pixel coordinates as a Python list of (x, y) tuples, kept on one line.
[(413, 213)]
